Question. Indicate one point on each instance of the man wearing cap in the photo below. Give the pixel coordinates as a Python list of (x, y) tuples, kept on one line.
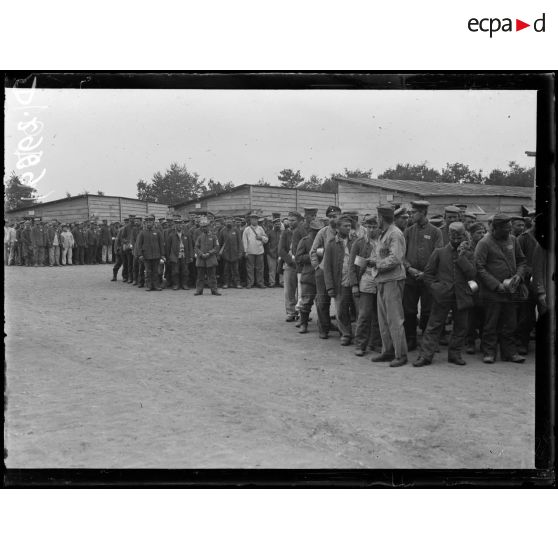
[(67, 241), (39, 241), (365, 290), (517, 226), (401, 218), (91, 239), (421, 239), (446, 274), (499, 258), (106, 243), (53, 245), (289, 265), (323, 300), (206, 248), (180, 252), (126, 248), (272, 251), (134, 276), (308, 275), (80, 239), (151, 250), (468, 219), (118, 254), (337, 279), (27, 244), (253, 240), (452, 213), (231, 250), (389, 273)]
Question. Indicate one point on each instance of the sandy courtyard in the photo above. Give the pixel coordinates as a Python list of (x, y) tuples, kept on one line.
[(105, 375)]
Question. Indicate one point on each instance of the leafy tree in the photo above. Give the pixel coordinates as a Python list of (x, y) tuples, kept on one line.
[(214, 187), (175, 186), (262, 182), (514, 176), (412, 172), (357, 173), (17, 195), (329, 184), (313, 183), (458, 173), (289, 178)]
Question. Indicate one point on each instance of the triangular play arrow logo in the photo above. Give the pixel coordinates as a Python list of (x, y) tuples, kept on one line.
[(519, 25)]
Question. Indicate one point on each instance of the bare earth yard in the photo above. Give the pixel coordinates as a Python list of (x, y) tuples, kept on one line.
[(104, 375)]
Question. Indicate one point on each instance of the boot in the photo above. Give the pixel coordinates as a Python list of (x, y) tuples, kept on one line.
[(113, 276), (303, 322)]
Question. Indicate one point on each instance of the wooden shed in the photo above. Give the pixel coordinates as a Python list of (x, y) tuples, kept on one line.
[(264, 199), (89, 206), (364, 195)]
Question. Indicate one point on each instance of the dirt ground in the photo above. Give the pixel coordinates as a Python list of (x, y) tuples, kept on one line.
[(103, 374)]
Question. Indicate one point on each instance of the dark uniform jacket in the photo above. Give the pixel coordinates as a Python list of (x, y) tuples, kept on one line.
[(496, 261), (79, 237), (298, 234), (285, 242), (447, 274), (106, 236), (150, 244), (303, 261), (231, 244), (334, 256), (26, 238), (173, 246), (91, 237), (51, 235), (38, 236), (421, 241), (272, 246), (206, 243)]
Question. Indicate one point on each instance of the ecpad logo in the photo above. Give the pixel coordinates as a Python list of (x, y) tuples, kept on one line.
[(494, 24)]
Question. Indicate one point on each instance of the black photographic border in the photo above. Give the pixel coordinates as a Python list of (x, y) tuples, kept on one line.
[(544, 473)]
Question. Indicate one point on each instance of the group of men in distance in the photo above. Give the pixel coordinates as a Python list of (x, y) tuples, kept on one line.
[(37, 243), (487, 281)]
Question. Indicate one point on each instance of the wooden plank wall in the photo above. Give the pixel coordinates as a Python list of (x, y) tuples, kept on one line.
[(104, 207), (365, 199)]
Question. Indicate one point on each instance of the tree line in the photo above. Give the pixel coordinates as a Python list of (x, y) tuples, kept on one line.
[(177, 183)]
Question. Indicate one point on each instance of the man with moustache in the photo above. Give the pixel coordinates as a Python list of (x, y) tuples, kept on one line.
[(498, 257), (323, 300), (150, 249)]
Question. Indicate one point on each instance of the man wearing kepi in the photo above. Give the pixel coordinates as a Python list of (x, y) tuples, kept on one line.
[(316, 255), (337, 279), (180, 252), (501, 266), (206, 248), (389, 274), (253, 240), (289, 266), (446, 274), (421, 239), (150, 249)]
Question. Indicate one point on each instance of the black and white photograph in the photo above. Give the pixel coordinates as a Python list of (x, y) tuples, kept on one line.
[(230, 275)]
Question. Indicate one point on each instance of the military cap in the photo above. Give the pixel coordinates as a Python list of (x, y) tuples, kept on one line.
[(436, 220), (332, 209), (420, 204), (345, 218), (452, 209), (457, 226), (476, 227), (250, 215), (316, 224), (261, 219), (352, 215), (150, 218), (310, 210), (401, 212), (385, 210), (177, 219), (370, 220), (295, 214), (131, 216), (276, 220), (501, 218), (126, 220), (161, 219)]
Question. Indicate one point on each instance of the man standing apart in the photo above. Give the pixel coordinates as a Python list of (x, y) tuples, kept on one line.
[(253, 240), (389, 274), (206, 248), (498, 256), (316, 255), (421, 239), (150, 249), (336, 275), (446, 274)]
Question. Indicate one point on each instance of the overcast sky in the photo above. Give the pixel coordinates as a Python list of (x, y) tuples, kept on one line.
[(109, 139)]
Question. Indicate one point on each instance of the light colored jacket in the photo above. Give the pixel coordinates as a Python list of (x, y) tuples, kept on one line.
[(390, 255), (10, 235), (249, 241), (67, 239)]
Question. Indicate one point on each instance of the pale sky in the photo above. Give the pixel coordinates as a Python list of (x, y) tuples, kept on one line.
[(109, 139)]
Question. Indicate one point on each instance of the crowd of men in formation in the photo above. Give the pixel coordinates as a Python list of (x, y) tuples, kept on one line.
[(389, 275)]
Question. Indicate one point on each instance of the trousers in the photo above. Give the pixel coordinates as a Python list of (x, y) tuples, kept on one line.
[(39, 255), (391, 317), (230, 273), (343, 302), (436, 322), (323, 302), (415, 291), (152, 274), (106, 254), (290, 283), (525, 322), (271, 270), (367, 332), (67, 256), (53, 255), (179, 273), (499, 328), (211, 273), (254, 262)]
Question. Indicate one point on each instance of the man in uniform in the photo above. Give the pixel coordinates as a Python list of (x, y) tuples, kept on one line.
[(498, 257), (180, 252), (206, 248), (150, 249), (134, 278), (401, 218), (119, 260), (389, 273), (323, 300), (289, 265), (38, 235), (452, 213), (517, 226), (126, 245), (253, 240), (231, 251), (272, 251), (421, 239), (468, 219), (337, 279), (447, 273), (91, 238), (27, 244), (106, 243)]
